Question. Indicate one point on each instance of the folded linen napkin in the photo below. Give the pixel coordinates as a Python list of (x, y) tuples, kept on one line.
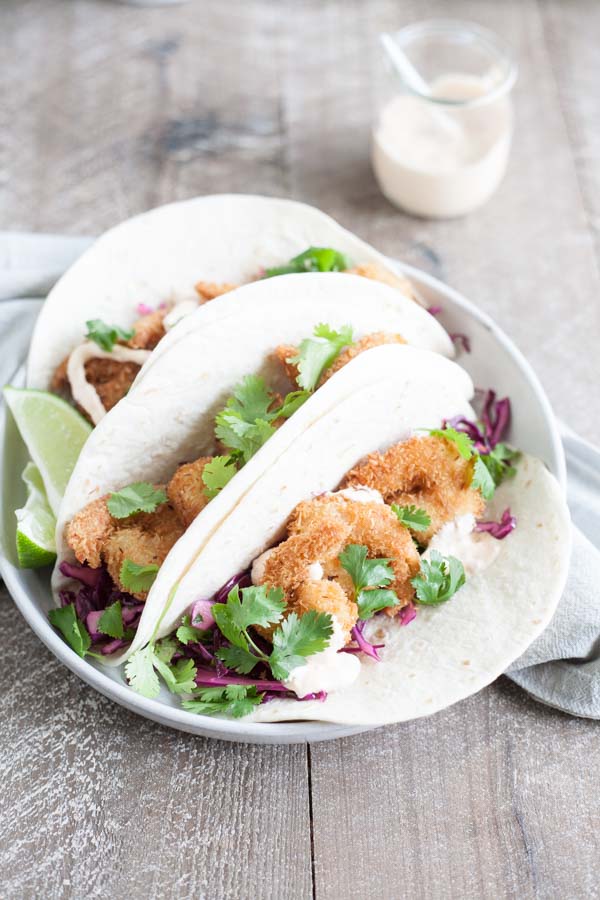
[(560, 669)]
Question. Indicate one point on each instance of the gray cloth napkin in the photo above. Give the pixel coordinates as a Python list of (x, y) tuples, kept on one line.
[(561, 668)]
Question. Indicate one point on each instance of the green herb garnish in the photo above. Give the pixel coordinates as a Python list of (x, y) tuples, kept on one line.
[(137, 578), (439, 579), (72, 629), (414, 518), (315, 259), (138, 497), (317, 353), (106, 336), (111, 621), (370, 578)]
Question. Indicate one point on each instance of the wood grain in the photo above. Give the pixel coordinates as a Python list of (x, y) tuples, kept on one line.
[(106, 110)]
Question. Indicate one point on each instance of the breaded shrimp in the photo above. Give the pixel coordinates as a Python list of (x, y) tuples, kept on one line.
[(427, 472), (208, 290), (98, 538), (319, 530), (377, 272), (285, 352), (186, 490), (111, 379), (370, 340), (149, 329), (146, 541)]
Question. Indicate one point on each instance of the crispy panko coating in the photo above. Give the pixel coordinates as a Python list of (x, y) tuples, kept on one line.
[(282, 354), (319, 530), (186, 490), (147, 540), (112, 380), (209, 290), (285, 352), (149, 329), (328, 597), (97, 538), (427, 472), (370, 340), (376, 272)]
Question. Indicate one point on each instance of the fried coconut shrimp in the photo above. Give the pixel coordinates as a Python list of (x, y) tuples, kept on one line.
[(306, 565), (186, 490), (98, 538), (112, 378), (285, 352), (427, 472), (209, 290), (378, 273)]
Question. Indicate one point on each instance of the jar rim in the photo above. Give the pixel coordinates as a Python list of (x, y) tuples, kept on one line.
[(466, 33)]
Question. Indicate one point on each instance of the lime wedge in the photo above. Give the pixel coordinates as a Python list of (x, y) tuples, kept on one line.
[(35, 524), (54, 433)]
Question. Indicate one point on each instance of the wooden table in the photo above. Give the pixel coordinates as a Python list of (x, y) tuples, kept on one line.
[(107, 110)]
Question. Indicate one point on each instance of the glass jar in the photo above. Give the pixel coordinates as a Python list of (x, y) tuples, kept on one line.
[(443, 130)]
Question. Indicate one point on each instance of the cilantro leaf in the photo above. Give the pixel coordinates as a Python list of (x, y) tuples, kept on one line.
[(106, 336), (315, 259), (482, 478), (251, 399), (238, 658), (165, 649), (243, 437), (365, 572), (439, 579), (138, 497), (414, 518), (462, 441), (180, 678), (317, 353), (299, 637), (136, 578), (72, 629), (140, 672), (235, 700), (111, 621), (254, 606), (187, 633), (216, 474), (498, 463), (291, 402), (373, 600)]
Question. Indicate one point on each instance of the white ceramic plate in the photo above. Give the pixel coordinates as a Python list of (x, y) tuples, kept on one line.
[(494, 362)]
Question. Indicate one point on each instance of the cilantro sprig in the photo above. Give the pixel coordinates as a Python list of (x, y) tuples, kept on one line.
[(246, 422), (137, 578), (315, 259), (106, 336), (317, 353), (111, 621), (439, 579), (75, 632), (414, 518), (234, 700), (216, 474), (145, 665), (137, 497), (370, 578), (489, 469)]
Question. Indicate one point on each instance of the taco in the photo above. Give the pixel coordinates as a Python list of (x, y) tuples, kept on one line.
[(200, 422), (112, 309)]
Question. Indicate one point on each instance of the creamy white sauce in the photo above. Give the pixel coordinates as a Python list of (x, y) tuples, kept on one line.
[(315, 572), (476, 550), (442, 161), (325, 671), (359, 495), (178, 311), (83, 392)]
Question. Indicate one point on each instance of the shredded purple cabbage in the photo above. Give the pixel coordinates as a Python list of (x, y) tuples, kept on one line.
[(143, 309), (364, 646), (201, 616), (501, 529), (459, 339), (495, 419), (96, 592), (407, 614), (434, 310)]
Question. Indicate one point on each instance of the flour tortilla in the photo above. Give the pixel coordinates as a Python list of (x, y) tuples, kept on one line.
[(161, 254), (168, 418), (452, 651), (444, 389), (375, 401)]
